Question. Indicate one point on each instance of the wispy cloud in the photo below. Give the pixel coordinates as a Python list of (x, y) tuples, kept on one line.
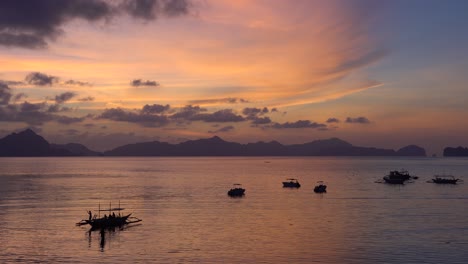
[(139, 82), (222, 130)]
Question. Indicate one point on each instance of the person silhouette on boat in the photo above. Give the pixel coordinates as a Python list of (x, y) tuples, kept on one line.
[(90, 215), (113, 215)]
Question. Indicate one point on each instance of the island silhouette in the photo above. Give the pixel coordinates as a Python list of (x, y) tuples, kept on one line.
[(29, 144)]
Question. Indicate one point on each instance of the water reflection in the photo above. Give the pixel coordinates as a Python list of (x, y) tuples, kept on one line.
[(106, 235)]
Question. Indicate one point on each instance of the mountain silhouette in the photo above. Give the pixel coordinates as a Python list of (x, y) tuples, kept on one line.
[(28, 143), (216, 146), (411, 150), (24, 144), (74, 149), (456, 152)]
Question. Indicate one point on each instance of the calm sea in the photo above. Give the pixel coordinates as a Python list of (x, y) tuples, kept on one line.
[(188, 217)]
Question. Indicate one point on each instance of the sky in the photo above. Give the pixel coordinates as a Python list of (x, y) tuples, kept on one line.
[(107, 73)]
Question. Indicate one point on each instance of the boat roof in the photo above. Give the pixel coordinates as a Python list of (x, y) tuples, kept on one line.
[(111, 209)]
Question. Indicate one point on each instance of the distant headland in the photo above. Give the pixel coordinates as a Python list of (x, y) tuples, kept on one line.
[(29, 144)]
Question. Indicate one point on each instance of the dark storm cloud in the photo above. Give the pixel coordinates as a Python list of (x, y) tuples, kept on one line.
[(147, 120), (41, 79), (5, 94), (62, 98), (154, 109), (28, 41), (228, 100), (333, 120), (86, 99), (299, 124), (77, 83), (223, 129), (29, 24), (32, 24), (139, 82), (357, 120)]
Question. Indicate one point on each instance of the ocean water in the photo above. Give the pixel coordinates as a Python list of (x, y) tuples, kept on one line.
[(188, 217)]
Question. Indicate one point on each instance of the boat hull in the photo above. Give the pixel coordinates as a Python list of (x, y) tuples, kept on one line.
[(291, 185), (108, 222), (445, 181), (394, 180), (237, 192), (320, 189)]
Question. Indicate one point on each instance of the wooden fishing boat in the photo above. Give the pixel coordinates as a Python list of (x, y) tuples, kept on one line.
[(110, 220), (445, 179)]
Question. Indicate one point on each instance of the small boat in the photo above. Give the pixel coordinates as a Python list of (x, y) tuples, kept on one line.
[(291, 183), (236, 191), (393, 180), (445, 179), (320, 188), (398, 177), (108, 221)]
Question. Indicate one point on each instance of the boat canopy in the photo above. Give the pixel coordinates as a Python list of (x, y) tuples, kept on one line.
[(112, 209)]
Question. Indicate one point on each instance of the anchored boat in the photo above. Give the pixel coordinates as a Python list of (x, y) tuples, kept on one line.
[(320, 188), (236, 191), (445, 179), (291, 183), (398, 177), (110, 220)]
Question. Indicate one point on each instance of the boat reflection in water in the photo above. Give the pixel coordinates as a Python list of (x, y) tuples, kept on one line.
[(108, 223)]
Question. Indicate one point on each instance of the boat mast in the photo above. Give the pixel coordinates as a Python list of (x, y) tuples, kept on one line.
[(99, 210)]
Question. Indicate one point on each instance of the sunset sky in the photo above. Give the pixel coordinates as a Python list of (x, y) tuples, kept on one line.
[(107, 73)]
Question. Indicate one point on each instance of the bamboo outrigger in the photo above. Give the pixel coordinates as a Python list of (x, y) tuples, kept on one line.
[(108, 221)]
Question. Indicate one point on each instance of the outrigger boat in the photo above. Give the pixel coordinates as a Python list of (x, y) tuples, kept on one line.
[(445, 179), (291, 183), (108, 221)]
